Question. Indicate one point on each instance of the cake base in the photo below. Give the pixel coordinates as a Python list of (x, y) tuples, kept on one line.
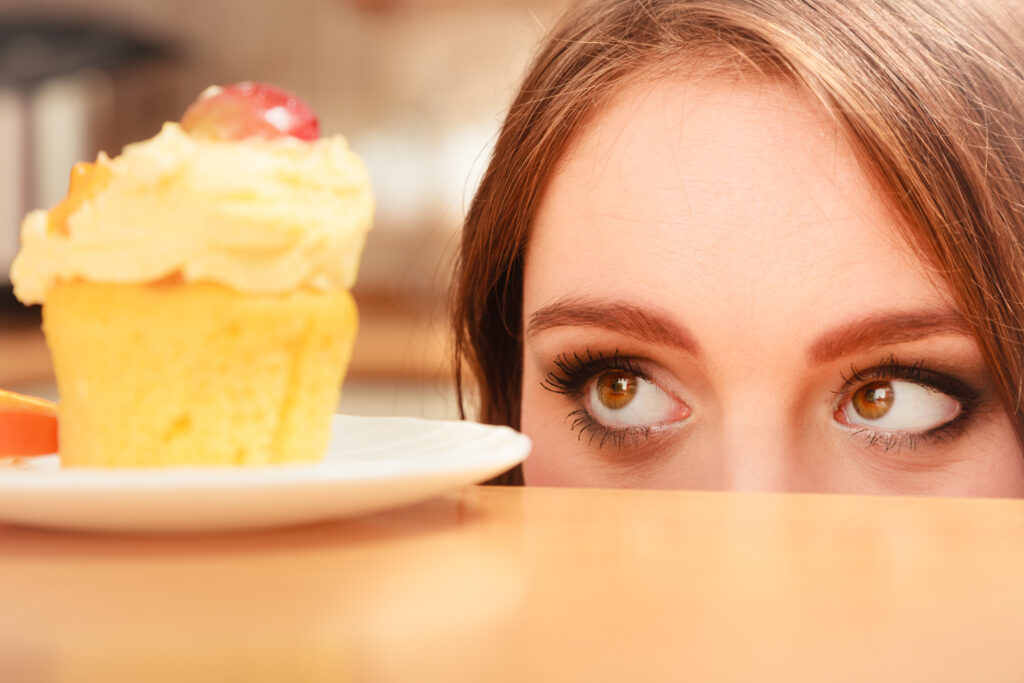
[(195, 374)]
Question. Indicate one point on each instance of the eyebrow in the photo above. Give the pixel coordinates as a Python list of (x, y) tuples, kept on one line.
[(652, 326), (643, 324), (882, 329)]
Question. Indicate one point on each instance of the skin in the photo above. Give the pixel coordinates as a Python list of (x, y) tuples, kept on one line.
[(720, 234)]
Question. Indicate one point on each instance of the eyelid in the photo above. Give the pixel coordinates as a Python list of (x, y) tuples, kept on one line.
[(972, 401), (571, 377), (892, 369), (573, 371)]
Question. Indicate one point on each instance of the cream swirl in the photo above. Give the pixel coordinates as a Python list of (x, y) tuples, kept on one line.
[(259, 216)]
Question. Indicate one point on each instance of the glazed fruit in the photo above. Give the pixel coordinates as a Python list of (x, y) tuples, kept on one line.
[(28, 425), (249, 110), (87, 180)]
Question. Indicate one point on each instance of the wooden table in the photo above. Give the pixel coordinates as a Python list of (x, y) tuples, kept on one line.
[(495, 584)]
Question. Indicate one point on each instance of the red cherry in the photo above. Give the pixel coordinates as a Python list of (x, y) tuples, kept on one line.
[(249, 110)]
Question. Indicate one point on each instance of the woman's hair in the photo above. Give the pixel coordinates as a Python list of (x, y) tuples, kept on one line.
[(929, 93)]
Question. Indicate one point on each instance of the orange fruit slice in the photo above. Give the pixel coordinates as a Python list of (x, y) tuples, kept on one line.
[(28, 425)]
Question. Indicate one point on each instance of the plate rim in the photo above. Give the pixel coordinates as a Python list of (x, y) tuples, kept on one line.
[(238, 473), (474, 465)]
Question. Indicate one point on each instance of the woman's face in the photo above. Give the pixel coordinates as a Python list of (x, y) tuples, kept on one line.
[(717, 297)]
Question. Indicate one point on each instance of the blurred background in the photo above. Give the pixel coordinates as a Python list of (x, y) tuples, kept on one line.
[(418, 87)]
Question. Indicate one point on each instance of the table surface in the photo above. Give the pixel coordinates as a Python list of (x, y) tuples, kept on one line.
[(536, 584)]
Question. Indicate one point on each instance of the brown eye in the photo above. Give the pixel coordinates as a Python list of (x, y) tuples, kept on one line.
[(615, 389), (873, 400), (916, 408), (619, 398)]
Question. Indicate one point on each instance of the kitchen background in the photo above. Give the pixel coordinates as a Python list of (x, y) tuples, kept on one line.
[(418, 87)]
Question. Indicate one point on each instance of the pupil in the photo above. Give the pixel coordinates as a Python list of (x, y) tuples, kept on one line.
[(873, 400), (616, 389)]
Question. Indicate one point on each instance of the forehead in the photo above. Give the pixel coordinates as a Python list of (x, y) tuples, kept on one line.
[(736, 192)]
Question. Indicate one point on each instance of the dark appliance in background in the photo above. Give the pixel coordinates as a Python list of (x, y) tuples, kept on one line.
[(67, 91)]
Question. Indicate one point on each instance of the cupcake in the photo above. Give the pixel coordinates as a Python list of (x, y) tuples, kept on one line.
[(195, 289)]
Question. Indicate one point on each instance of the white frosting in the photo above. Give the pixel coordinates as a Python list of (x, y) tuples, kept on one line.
[(260, 216)]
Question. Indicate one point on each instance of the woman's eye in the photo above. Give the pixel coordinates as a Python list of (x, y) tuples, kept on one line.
[(897, 406), (621, 399)]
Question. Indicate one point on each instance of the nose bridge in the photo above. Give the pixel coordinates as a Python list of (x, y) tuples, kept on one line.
[(757, 447)]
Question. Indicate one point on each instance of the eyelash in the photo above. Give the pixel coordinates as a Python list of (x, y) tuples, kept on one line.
[(968, 397), (572, 373), (570, 378)]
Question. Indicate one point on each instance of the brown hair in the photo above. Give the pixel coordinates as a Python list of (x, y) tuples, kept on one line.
[(929, 92)]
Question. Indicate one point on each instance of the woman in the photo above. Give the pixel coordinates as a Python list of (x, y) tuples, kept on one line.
[(758, 245)]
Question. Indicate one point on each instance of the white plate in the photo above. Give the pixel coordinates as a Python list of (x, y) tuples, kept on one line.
[(371, 464)]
